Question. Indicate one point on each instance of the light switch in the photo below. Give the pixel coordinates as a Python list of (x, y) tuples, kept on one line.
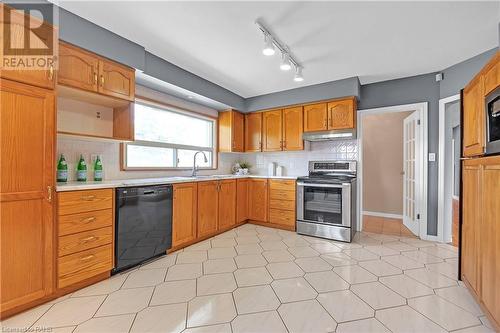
[(432, 157)]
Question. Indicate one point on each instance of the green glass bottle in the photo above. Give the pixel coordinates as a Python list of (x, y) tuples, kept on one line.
[(98, 169), (62, 170), (81, 170)]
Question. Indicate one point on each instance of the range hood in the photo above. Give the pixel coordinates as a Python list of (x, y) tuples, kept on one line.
[(330, 135)]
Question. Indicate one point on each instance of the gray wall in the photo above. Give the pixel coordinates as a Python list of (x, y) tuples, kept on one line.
[(312, 93), (416, 89)]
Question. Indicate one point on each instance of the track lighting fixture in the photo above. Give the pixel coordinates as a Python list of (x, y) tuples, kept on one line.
[(268, 46), (285, 62), (298, 75)]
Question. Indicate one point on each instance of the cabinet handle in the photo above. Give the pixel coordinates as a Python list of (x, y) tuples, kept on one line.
[(95, 78), (88, 220), (88, 197), (326, 123), (87, 258), (102, 80), (49, 193), (87, 239), (51, 72), (284, 144)]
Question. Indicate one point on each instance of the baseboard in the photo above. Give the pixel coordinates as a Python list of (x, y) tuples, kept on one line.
[(379, 214)]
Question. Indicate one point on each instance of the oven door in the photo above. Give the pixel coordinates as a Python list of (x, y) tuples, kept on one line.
[(327, 204)]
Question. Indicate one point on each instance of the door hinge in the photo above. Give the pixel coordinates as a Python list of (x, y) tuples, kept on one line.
[(418, 121), (418, 216)]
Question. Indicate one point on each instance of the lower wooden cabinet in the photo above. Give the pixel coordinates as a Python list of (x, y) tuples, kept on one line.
[(242, 200), (227, 204), (257, 199), (185, 207), (282, 203), (208, 207)]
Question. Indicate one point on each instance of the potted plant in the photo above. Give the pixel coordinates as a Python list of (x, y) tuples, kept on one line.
[(244, 166)]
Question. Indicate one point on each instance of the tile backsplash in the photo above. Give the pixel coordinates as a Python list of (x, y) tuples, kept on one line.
[(293, 163)]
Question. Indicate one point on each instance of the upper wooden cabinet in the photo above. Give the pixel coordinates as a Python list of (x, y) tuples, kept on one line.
[(27, 138), (492, 74), (231, 131), (185, 206), (272, 133), (473, 118), (342, 114), (315, 117), (253, 132), (293, 127), (87, 71)]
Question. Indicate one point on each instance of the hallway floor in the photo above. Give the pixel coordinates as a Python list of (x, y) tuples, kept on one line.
[(257, 279)]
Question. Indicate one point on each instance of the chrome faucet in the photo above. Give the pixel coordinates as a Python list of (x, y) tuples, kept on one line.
[(195, 169)]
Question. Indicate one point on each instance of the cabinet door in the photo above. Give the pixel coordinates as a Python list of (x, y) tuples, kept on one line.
[(242, 200), (293, 127), (315, 117), (238, 129), (184, 213), (492, 75), (77, 68), (208, 207), (257, 200), (473, 117), (272, 131), (227, 204), (116, 80), (489, 245), (253, 132), (27, 121), (342, 114), (471, 222), (225, 136), (13, 21)]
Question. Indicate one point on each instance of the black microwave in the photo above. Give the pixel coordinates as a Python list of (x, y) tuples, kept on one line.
[(492, 109)]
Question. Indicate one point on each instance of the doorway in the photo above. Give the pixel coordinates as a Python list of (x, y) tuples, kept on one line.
[(392, 175), (449, 169)]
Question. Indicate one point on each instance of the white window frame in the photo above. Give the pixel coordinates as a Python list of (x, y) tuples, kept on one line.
[(175, 147)]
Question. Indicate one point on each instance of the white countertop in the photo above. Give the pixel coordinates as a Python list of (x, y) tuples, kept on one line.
[(92, 185)]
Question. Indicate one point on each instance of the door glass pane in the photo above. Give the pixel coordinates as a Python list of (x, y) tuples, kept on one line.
[(323, 205), (185, 159), (149, 157)]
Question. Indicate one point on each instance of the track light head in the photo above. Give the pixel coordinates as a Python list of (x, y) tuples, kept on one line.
[(285, 62), (268, 46), (298, 75)]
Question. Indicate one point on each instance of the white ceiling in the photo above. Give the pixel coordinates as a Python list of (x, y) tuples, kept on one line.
[(376, 41)]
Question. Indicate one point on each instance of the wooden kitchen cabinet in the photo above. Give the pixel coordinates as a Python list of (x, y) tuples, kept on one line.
[(257, 199), (282, 203), (227, 204), (272, 132), (293, 127), (242, 200), (253, 132), (77, 68), (27, 138), (342, 114), (315, 117), (473, 118), (185, 208), (116, 80), (492, 75), (231, 131), (208, 208)]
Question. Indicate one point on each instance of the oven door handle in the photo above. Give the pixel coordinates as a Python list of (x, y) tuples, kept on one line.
[(322, 185)]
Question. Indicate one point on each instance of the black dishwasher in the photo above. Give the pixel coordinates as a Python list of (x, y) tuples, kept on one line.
[(143, 224)]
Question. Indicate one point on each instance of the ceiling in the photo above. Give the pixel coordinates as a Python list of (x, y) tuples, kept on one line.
[(375, 41)]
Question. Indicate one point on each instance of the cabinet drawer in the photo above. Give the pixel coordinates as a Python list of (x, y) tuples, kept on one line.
[(83, 265), (282, 184), (282, 195), (282, 204), (84, 201), (85, 240), (284, 217), (74, 223)]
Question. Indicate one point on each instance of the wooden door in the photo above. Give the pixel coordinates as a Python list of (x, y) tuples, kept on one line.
[(227, 204), (242, 200), (253, 132), (208, 207), (238, 129), (473, 118), (471, 222), (293, 127), (116, 80), (342, 114), (272, 131), (315, 117), (27, 120), (489, 241), (77, 68), (185, 208), (257, 199), (13, 21)]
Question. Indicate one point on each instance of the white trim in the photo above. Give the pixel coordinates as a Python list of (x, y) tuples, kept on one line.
[(386, 215), (418, 107), (441, 162)]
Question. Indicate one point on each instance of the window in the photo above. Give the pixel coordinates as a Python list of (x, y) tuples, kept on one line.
[(167, 139)]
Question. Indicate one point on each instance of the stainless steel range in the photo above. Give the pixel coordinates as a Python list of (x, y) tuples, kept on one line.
[(326, 200)]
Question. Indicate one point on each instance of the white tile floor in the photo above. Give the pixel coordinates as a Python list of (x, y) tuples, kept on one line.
[(257, 279)]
